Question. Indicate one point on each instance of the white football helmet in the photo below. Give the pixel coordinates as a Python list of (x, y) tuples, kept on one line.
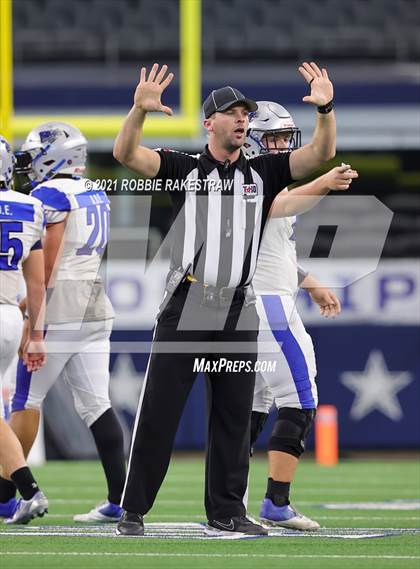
[(54, 148), (7, 163), (270, 118)]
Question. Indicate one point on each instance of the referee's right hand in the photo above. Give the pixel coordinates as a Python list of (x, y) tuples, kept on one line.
[(149, 91)]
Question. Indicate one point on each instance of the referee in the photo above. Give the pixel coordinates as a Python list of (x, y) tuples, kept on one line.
[(208, 297)]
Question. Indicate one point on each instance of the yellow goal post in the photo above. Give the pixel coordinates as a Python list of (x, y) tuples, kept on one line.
[(183, 124)]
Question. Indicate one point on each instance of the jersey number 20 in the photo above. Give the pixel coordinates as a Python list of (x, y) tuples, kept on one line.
[(98, 218)]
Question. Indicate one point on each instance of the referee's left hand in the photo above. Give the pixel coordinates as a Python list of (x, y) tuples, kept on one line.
[(322, 91), (147, 96)]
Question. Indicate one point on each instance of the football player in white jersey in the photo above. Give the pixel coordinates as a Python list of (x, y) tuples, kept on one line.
[(79, 313), (21, 228), (291, 387)]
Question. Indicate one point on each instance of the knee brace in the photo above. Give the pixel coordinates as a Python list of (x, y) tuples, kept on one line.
[(290, 430), (258, 421)]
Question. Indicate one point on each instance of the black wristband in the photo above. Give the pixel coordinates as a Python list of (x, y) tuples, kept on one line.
[(325, 109)]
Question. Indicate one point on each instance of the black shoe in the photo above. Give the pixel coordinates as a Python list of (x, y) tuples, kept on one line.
[(130, 524), (230, 526)]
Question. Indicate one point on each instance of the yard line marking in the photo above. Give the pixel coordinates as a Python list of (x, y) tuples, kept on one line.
[(161, 501), (367, 518), (70, 501), (164, 517), (205, 555), (158, 517), (394, 505), (180, 480), (409, 491)]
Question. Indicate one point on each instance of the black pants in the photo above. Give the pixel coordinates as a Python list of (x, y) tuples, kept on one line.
[(168, 381)]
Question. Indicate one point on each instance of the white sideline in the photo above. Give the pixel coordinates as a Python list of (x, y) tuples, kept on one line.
[(205, 555), (165, 517)]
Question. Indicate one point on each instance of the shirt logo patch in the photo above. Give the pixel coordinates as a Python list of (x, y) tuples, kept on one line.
[(249, 191)]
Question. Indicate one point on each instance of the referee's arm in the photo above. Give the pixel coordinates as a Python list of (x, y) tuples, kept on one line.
[(127, 150), (140, 159)]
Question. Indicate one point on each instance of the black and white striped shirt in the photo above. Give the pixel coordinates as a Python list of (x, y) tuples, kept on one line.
[(219, 232)]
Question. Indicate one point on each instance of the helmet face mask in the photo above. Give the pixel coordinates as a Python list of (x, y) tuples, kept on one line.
[(7, 164), (54, 148), (271, 130), (23, 169), (284, 140)]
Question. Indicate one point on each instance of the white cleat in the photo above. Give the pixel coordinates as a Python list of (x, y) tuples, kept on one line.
[(29, 509), (103, 513), (285, 517)]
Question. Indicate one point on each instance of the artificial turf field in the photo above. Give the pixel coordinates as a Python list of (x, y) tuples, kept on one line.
[(74, 487)]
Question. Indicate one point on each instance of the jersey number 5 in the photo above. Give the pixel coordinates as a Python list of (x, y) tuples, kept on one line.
[(11, 248)]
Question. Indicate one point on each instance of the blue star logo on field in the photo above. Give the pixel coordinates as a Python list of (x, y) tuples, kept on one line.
[(126, 383), (194, 531), (376, 388)]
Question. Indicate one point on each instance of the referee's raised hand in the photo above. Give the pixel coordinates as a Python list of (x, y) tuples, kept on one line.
[(150, 89), (322, 91)]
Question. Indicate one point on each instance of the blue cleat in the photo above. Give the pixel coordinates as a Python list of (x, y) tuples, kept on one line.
[(7, 509), (285, 517), (28, 509), (104, 513)]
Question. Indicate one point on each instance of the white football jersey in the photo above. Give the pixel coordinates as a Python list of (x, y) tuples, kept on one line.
[(87, 225), (78, 292), (21, 230), (277, 269)]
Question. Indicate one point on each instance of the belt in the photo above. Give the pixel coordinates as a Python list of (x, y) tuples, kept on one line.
[(217, 296)]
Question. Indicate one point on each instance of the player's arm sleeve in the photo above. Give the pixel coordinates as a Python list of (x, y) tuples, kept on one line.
[(52, 217), (56, 204), (37, 245), (302, 274)]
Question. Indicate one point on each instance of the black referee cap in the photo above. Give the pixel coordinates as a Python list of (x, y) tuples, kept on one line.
[(223, 98)]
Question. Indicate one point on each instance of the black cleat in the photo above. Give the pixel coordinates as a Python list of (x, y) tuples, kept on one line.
[(130, 524), (239, 525)]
